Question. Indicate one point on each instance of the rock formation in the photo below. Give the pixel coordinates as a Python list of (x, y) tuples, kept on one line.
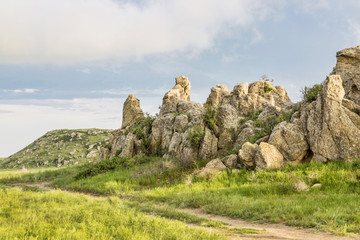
[(332, 130), (258, 119), (347, 66), (131, 111)]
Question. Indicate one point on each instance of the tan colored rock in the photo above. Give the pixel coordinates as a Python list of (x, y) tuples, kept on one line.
[(227, 119), (244, 136), (289, 139), (353, 107), (230, 161), (268, 156), (131, 111), (332, 130), (209, 145), (247, 155), (212, 167), (216, 95), (181, 91), (347, 66), (241, 89), (180, 123)]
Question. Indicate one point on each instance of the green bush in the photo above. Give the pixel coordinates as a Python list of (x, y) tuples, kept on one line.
[(267, 88), (310, 94), (252, 115), (209, 117), (195, 136), (142, 127)]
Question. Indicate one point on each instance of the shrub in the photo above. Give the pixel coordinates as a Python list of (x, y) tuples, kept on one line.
[(142, 127), (195, 136), (267, 88), (310, 94), (252, 115), (209, 117)]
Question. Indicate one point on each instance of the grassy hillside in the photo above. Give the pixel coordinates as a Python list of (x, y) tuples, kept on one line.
[(60, 147), (315, 195)]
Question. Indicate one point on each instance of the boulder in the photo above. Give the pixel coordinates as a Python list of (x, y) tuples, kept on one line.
[(289, 139), (230, 161), (247, 154), (268, 156), (131, 111), (347, 66), (212, 167), (332, 130)]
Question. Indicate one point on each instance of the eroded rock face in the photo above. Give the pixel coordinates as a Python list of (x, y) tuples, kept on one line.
[(131, 111), (332, 130), (212, 167), (347, 66), (217, 94), (181, 91), (289, 139), (247, 155), (268, 156)]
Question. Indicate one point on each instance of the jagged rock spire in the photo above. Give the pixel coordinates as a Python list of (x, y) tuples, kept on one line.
[(131, 111)]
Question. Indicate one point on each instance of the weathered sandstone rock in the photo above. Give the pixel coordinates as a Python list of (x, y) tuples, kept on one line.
[(289, 139), (247, 155), (268, 156), (347, 66), (212, 167), (131, 111), (332, 130), (230, 161)]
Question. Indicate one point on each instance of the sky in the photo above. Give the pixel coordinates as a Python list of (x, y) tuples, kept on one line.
[(72, 63)]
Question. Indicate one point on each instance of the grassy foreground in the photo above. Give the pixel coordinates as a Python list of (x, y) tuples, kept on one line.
[(59, 215), (321, 196)]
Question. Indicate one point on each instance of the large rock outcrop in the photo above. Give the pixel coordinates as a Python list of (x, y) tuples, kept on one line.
[(347, 66), (332, 130), (257, 118), (131, 111)]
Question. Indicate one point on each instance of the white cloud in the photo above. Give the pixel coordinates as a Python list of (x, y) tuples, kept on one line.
[(22, 121), (21, 91), (68, 31)]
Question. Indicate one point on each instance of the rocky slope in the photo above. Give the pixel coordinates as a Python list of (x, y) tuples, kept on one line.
[(61, 147), (255, 122)]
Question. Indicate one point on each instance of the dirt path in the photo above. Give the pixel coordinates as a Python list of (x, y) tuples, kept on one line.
[(265, 231), (269, 231)]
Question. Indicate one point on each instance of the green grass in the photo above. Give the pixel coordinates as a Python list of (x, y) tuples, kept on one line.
[(59, 147), (59, 215), (270, 196)]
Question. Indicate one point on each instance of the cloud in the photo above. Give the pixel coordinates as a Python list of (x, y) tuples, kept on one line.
[(21, 91), (22, 121), (68, 31)]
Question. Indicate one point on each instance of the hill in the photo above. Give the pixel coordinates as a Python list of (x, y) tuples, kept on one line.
[(60, 147)]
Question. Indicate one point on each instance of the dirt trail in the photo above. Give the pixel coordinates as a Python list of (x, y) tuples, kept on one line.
[(269, 231), (266, 231)]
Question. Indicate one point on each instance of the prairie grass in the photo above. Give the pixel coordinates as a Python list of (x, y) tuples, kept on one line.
[(59, 215), (324, 196)]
